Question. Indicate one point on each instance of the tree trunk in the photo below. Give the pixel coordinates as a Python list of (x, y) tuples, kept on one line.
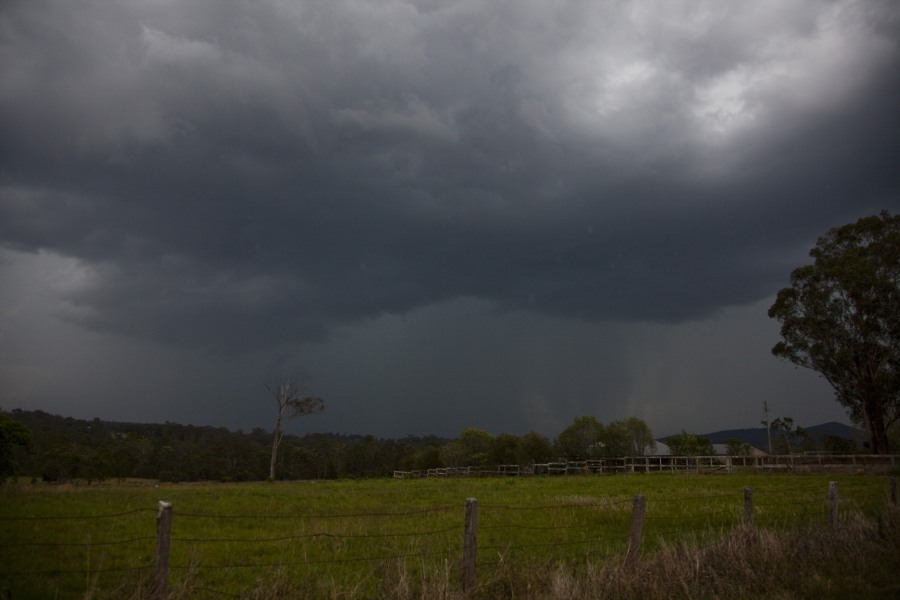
[(874, 413), (274, 457), (276, 441)]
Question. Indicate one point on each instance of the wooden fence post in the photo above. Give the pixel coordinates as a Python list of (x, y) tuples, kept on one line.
[(748, 507), (470, 545), (636, 531), (833, 503), (893, 492), (163, 539)]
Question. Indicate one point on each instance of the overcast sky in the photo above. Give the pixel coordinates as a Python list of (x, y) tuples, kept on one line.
[(439, 214)]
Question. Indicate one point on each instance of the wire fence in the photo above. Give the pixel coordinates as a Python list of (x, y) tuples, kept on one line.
[(219, 549)]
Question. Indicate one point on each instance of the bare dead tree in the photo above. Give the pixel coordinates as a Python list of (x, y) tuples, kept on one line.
[(292, 403)]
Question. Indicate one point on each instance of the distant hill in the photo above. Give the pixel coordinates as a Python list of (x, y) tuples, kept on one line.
[(758, 438), (839, 430)]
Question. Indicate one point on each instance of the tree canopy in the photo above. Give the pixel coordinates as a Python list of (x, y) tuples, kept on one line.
[(690, 444), (841, 317), (588, 438), (12, 435), (582, 439)]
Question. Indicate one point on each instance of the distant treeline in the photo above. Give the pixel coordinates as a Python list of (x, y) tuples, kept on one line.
[(64, 449), (59, 449)]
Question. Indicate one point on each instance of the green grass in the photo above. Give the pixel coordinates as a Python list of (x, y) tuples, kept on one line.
[(353, 538)]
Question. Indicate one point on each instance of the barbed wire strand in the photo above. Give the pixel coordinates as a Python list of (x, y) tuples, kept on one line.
[(555, 506), (76, 571), (87, 543), (317, 516), (74, 517), (316, 562), (315, 535)]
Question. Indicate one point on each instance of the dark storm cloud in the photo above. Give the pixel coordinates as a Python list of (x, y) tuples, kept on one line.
[(250, 173)]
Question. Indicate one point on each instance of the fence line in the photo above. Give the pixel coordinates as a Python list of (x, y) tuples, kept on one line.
[(633, 530), (663, 463)]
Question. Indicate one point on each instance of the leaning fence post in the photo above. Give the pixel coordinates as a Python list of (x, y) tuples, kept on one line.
[(893, 492), (748, 506), (470, 545), (636, 531), (163, 538), (833, 503)]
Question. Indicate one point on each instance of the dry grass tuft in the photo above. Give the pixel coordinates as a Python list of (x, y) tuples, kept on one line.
[(860, 559)]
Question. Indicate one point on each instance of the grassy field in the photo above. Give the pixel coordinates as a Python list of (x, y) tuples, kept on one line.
[(537, 537)]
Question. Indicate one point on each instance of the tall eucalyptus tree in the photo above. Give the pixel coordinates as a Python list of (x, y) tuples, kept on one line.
[(841, 317)]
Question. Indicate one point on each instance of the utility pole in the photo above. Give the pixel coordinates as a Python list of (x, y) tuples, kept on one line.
[(766, 423)]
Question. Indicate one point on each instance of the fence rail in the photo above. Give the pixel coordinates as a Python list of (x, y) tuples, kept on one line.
[(617, 526), (651, 464)]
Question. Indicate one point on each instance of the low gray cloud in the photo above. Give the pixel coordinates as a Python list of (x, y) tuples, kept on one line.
[(249, 177)]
